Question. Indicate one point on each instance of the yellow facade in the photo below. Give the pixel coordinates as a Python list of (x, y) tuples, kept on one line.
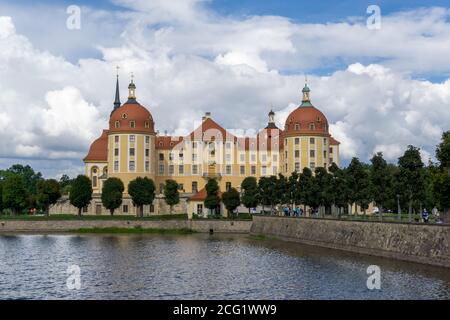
[(210, 151)]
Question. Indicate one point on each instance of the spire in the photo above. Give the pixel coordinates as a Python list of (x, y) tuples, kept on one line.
[(306, 102), (271, 124), (117, 99), (132, 90)]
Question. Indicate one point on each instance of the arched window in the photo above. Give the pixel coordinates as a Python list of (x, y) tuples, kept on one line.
[(117, 124), (312, 126), (147, 124), (297, 127), (132, 124)]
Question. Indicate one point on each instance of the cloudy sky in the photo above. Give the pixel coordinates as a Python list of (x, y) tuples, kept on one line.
[(381, 89)]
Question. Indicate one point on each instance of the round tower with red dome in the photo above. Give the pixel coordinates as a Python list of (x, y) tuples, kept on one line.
[(306, 138)]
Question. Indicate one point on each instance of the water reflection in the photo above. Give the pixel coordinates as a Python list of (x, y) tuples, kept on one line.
[(201, 267)]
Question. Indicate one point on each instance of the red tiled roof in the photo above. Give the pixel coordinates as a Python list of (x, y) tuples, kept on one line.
[(167, 142), (334, 142), (99, 149), (132, 111), (299, 121)]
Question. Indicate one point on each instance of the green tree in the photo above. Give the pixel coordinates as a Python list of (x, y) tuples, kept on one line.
[(249, 187), (212, 200), (231, 200), (48, 193), (14, 193), (29, 176), (293, 188), (112, 193), (171, 193), (267, 191), (64, 184), (1, 197), (441, 175), (358, 184), (306, 188), (443, 151), (323, 181), (339, 187), (142, 192), (411, 176), (381, 180), (81, 193)]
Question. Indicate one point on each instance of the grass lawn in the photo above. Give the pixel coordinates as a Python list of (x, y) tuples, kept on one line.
[(135, 230), (62, 217)]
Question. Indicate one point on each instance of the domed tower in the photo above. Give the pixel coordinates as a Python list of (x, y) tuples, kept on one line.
[(306, 137), (131, 140)]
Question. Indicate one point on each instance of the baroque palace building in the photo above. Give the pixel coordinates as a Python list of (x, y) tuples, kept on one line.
[(131, 148)]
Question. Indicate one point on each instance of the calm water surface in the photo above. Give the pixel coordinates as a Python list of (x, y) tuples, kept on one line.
[(201, 267)]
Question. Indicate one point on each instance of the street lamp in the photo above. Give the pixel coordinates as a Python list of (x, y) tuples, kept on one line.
[(399, 210)]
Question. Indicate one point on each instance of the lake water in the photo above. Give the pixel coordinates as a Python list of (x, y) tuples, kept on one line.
[(201, 266)]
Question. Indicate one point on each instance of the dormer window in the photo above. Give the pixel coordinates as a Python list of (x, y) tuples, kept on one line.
[(117, 124), (312, 126), (147, 124), (297, 127), (132, 124)]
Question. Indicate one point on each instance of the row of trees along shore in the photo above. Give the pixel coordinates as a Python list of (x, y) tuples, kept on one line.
[(410, 184)]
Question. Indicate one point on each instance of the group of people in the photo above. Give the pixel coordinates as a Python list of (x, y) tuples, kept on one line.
[(434, 213), (291, 212)]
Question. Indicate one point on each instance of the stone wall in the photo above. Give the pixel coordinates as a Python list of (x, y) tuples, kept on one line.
[(68, 225), (421, 243)]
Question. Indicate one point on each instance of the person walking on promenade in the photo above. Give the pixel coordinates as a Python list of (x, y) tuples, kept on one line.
[(425, 216)]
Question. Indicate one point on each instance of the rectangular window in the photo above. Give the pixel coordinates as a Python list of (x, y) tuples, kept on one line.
[(263, 170), (199, 208), (331, 160), (228, 169), (131, 166), (242, 170), (147, 166), (227, 186), (228, 157), (297, 141), (132, 151), (161, 169), (242, 157), (125, 208), (228, 145), (331, 150), (147, 152), (116, 152), (161, 188), (297, 153), (180, 156), (194, 157), (171, 169), (324, 141), (297, 166), (116, 166), (161, 157), (264, 158), (312, 165), (312, 140), (152, 208), (194, 169), (132, 138), (286, 168), (253, 157), (275, 158), (312, 153), (253, 170), (194, 186), (181, 187), (274, 170), (94, 181), (171, 156), (116, 139), (147, 139), (181, 169), (324, 153), (132, 124)]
